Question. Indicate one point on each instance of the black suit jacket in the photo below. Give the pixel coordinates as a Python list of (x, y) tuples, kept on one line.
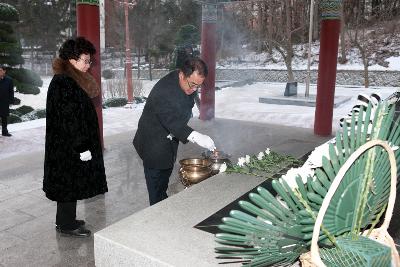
[(6, 95), (167, 111)]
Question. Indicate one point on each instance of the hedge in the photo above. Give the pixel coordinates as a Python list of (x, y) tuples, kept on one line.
[(13, 119), (25, 76), (115, 102), (24, 88)]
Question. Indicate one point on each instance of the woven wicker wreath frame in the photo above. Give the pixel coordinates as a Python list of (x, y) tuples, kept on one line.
[(379, 234)]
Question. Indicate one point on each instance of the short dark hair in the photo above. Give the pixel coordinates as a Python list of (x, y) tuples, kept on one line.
[(73, 48), (192, 64), (3, 67)]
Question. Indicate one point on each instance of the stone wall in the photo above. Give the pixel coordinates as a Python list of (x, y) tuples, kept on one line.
[(343, 77)]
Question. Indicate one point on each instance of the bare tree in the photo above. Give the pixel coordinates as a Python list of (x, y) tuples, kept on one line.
[(342, 47), (283, 36)]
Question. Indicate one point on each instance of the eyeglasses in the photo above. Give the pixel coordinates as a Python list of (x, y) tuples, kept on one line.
[(87, 62), (193, 85)]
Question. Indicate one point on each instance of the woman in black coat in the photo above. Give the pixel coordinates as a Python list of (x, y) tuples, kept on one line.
[(73, 166)]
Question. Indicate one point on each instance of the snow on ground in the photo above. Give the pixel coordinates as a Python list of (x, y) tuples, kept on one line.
[(36, 101), (239, 103), (252, 60)]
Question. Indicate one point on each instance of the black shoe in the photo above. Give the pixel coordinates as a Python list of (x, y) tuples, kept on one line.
[(79, 232), (6, 134), (79, 223)]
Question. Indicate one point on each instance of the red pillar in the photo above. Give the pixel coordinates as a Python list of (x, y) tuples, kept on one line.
[(88, 26), (208, 51), (329, 43)]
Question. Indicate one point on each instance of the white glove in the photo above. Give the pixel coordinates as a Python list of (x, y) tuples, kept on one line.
[(85, 156), (170, 136), (202, 140)]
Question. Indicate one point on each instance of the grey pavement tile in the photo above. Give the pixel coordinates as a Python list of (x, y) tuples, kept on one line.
[(38, 193), (10, 218), (49, 249), (33, 228), (7, 193), (21, 165), (39, 207), (8, 240), (127, 186), (21, 202), (104, 212), (24, 184)]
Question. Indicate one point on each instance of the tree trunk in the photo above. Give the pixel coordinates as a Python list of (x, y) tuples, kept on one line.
[(288, 63), (269, 30), (288, 45), (221, 47), (32, 52), (366, 78), (365, 61), (150, 73), (260, 27), (343, 58), (138, 63)]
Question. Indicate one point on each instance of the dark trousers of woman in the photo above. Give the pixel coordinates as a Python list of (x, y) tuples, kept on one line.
[(4, 125), (66, 215), (157, 183)]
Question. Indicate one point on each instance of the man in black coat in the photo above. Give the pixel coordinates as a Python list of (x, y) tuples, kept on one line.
[(164, 123), (6, 99)]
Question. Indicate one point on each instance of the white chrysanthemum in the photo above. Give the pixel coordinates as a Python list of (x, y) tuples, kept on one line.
[(241, 161), (315, 158), (267, 151), (394, 147), (266, 221), (303, 171), (260, 156), (223, 167), (247, 159), (281, 201)]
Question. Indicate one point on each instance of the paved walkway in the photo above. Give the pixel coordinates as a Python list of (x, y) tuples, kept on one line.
[(27, 234)]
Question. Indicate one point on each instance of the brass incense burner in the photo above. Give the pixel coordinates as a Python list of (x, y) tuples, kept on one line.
[(217, 158), (194, 170)]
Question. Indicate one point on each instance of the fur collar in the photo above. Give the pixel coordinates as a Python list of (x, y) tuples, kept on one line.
[(84, 79)]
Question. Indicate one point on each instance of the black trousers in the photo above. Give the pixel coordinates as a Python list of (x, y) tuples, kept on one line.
[(66, 215), (4, 124), (157, 183)]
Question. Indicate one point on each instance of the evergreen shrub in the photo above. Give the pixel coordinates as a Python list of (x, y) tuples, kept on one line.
[(8, 12), (17, 101), (25, 76), (24, 109), (34, 115), (140, 99), (24, 88), (115, 102), (108, 74), (13, 119)]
